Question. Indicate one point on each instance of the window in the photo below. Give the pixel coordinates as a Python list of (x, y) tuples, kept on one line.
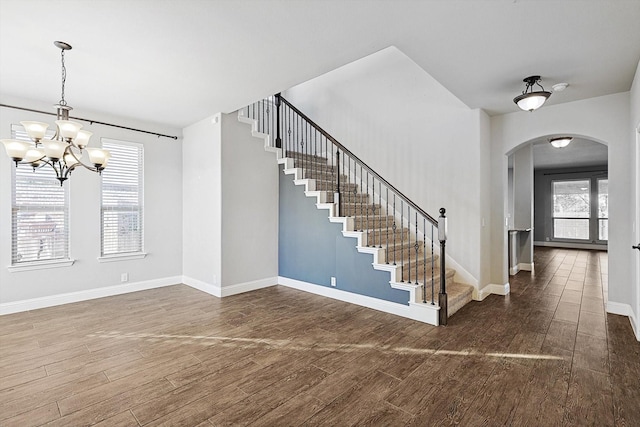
[(122, 199), (603, 209), (571, 209), (39, 213)]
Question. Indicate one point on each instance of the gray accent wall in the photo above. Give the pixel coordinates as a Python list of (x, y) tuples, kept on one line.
[(543, 196), (312, 249)]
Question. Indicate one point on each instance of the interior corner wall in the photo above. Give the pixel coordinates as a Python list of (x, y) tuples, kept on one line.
[(87, 276), (604, 119), (635, 207), (201, 197), (249, 202), (416, 134)]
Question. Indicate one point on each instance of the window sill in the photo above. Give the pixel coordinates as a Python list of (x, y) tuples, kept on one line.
[(40, 265), (122, 257)]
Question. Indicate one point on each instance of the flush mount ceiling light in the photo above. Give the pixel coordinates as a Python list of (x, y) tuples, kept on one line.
[(530, 100), (65, 151), (561, 141)]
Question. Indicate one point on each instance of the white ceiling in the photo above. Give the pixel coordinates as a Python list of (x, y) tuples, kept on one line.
[(176, 62), (580, 152)]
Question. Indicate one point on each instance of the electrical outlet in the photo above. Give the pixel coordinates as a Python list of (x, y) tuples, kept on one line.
[(124, 277), (333, 281)]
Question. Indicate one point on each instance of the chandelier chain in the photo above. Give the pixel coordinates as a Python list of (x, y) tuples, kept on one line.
[(64, 78)]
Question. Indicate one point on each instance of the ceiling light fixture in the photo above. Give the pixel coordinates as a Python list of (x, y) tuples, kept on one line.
[(561, 141), (65, 151), (530, 100)]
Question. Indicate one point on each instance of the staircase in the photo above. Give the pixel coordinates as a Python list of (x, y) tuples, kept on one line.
[(402, 239)]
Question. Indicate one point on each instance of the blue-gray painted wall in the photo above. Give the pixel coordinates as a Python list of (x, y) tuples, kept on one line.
[(312, 249)]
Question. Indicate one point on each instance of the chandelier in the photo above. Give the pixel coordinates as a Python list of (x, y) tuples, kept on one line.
[(530, 100), (66, 149)]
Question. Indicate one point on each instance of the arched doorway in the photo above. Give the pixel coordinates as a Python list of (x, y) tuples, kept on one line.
[(557, 197)]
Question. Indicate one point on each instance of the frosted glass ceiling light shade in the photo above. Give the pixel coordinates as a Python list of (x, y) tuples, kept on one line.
[(54, 149), (68, 129), (16, 149), (561, 141), (34, 155), (531, 100), (82, 139), (35, 130), (98, 157), (57, 152)]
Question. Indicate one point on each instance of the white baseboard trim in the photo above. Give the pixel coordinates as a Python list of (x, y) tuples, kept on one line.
[(492, 288), (425, 313), (89, 294), (600, 247), (625, 310), (525, 266), (514, 270), (225, 291), (202, 286), (248, 286)]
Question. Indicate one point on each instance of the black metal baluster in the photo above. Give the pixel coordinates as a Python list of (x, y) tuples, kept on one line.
[(278, 124), (367, 205), (401, 237), (408, 243), (424, 260), (338, 184), (386, 221), (394, 229), (387, 231), (432, 268), (361, 200), (417, 246)]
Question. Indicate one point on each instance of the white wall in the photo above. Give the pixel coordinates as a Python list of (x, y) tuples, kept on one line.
[(249, 207), (201, 196), (163, 216), (230, 208), (605, 119), (411, 130)]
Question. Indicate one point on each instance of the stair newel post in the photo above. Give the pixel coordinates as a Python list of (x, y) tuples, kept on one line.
[(442, 297), (278, 137), (337, 193)]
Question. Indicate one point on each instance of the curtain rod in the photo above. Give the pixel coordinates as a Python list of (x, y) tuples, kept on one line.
[(91, 121)]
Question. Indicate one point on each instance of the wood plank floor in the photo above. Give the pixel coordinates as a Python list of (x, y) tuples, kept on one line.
[(546, 355)]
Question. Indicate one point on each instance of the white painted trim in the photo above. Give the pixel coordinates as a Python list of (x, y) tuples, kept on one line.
[(425, 313), (89, 294), (525, 266), (619, 308), (122, 257), (625, 310), (225, 291), (492, 288), (248, 286), (600, 247), (202, 286), (514, 270), (40, 265)]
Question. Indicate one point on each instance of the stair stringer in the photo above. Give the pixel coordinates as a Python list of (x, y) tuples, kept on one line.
[(417, 310)]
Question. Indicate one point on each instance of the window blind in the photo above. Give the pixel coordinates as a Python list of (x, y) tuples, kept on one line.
[(39, 212), (122, 199)]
